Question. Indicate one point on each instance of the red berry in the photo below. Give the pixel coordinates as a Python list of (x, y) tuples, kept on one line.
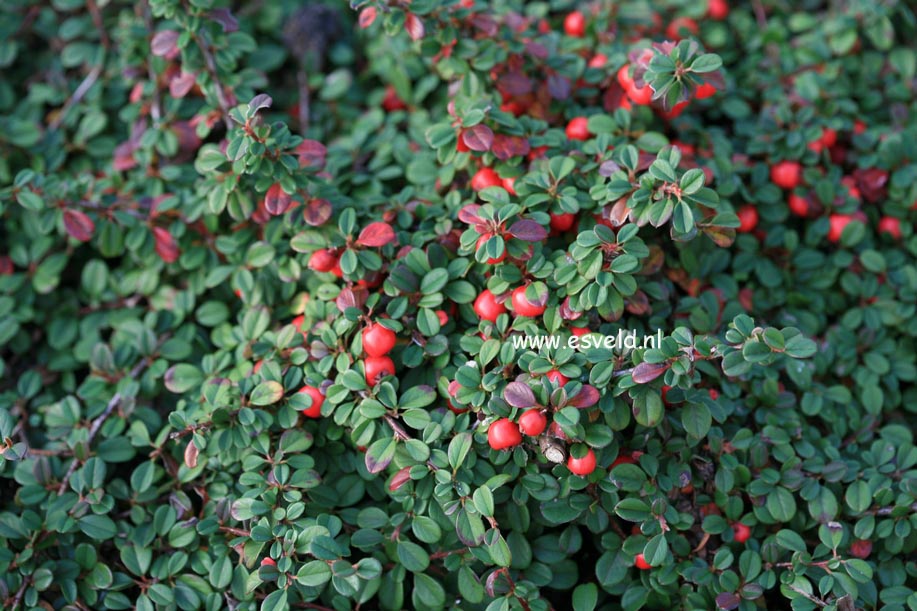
[(533, 422), (705, 91), (798, 204), (740, 532), (640, 95), (314, 410), (680, 26), (828, 137), (503, 434), (323, 260), (582, 466), (563, 222), (391, 102), (485, 177), (624, 78), (623, 459), (575, 24), (523, 307), (377, 367), (861, 548), (641, 563), (891, 226), (556, 377), (717, 9), (748, 218), (378, 340), (491, 260), (442, 317), (598, 60), (837, 224), (336, 270), (786, 174), (268, 562), (487, 307), (510, 185), (578, 128), (859, 127), (579, 331), (460, 145), (298, 323), (852, 189), (714, 394), (258, 366), (676, 110)]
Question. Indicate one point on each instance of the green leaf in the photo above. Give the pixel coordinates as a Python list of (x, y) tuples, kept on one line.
[(267, 393), (314, 574), (706, 63), (656, 550), (790, 540), (413, 557), (781, 504)]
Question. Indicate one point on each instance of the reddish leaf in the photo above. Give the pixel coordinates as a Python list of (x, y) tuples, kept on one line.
[(225, 18), (6, 266), (260, 101), (191, 454), (181, 84), (124, 157), (528, 231), (78, 225), (647, 372), (351, 298), (515, 83), (728, 601), (506, 147), (518, 394), (413, 26), (312, 154), (276, 200), (559, 87), (166, 246), (586, 397), (721, 236), (400, 478), (376, 234), (317, 212), (469, 214), (367, 16), (478, 138), (164, 42)]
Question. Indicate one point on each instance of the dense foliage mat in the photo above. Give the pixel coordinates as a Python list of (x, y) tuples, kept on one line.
[(266, 269)]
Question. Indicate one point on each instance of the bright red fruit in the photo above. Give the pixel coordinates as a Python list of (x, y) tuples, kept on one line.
[(798, 204), (837, 224), (563, 222), (487, 307), (714, 394), (579, 331), (377, 367), (705, 91), (623, 459), (503, 434), (491, 260), (523, 307), (533, 422), (748, 218), (578, 128), (485, 177), (323, 260), (556, 377), (268, 562), (786, 174), (575, 24), (582, 466), (718, 9), (510, 185), (641, 563), (314, 410), (891, 226), (442, 317), (598, 60), (828, 137), (681, 26), (740, 532), (378, 340)]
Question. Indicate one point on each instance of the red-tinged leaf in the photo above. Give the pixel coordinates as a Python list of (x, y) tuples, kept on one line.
[(519, 394), (351, 298), (528, 230), (506, 147), (515, 83), (6, 266), (78, 225), (728, 601), (376, 234), (317, 212), (260, 102), (400, 478), (191, 454), (413, 26), (478, 138), (559, 87), (721, 236), (537, 50), (485, 24), (469, 214), (367, 16), (586, 397), (124, 157), (225, 18), (276, 200), (181, 84), (647, 372), (164, 42), (166, 246), (312, 154)]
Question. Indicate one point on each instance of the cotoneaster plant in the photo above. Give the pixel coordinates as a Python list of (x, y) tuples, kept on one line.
[(265, 269)]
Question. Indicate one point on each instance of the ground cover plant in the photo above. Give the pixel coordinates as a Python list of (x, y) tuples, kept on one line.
[(262, 266)]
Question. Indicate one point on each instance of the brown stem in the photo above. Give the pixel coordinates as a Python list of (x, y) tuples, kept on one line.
[(78, 95), (211, 66)]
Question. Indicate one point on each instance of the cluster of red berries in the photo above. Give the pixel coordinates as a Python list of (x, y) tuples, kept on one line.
[(378, 341), (504, 434), (489, 308)]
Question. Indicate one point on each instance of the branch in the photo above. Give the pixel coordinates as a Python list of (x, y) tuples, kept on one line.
[(19, 594), (78, 95), (802, 592), (99, 421), (211, 65)]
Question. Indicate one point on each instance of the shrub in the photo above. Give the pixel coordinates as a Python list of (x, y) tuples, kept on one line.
[(263, 269)]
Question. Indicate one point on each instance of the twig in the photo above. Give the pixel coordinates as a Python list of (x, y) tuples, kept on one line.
[(211, 65), (155, 104), (817, 601), (400, 433), (236, 531), (78, 95), (887, 511), (304, 98), (99, 421), (760, 15), (19, 594), (98, 23)]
